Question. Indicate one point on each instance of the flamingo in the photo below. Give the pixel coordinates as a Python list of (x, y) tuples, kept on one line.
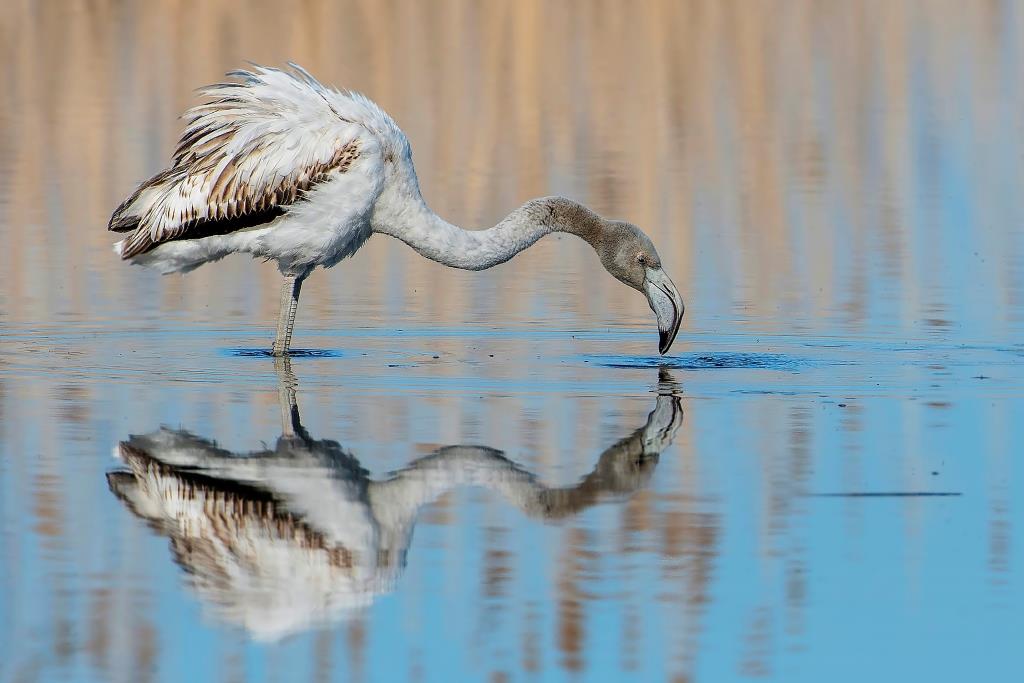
[(279, 166)]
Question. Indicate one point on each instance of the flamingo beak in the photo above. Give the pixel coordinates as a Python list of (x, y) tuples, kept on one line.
[(667, 306)]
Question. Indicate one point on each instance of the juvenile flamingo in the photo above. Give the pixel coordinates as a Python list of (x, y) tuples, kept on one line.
[(276, 165)]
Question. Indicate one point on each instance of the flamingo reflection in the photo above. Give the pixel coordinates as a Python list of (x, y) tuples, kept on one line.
[(287, 539)]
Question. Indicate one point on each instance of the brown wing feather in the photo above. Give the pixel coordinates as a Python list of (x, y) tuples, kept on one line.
[(233, 202), (247, 153)]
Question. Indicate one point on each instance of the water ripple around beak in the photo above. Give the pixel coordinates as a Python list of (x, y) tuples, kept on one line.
[(708, 361)]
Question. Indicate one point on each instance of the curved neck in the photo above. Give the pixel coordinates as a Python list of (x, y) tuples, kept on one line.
[(409, 219)]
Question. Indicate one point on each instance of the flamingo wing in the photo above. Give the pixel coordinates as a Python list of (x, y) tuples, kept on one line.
[(248, 153)]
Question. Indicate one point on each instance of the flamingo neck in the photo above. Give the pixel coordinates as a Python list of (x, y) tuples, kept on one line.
[(412, 221)]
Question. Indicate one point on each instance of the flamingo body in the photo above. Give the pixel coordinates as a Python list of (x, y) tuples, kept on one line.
[(298, 166)]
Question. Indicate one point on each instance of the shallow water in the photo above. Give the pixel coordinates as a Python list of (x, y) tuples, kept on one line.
[(493, 476)]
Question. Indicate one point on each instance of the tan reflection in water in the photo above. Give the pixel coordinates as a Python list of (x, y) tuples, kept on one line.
[(771, 144), (298, 537)]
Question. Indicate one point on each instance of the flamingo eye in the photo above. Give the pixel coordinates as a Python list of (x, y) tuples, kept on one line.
[(641, 258)]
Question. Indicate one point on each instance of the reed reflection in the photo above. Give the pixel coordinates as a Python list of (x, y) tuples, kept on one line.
[(299, 536)]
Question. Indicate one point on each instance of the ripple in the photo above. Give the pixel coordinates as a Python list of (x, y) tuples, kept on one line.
[(707, 361), (886, 494), (293, 353)]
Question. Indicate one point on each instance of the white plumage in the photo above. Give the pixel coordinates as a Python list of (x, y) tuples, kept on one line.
[(281, 167), (258, 146)]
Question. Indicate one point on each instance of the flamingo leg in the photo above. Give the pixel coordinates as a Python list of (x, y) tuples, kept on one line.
[(286, 320)]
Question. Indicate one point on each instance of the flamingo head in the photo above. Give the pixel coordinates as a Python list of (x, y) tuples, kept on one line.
[(629, 255)]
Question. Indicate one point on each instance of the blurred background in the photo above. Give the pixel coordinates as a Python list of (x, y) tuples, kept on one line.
[(799, 163), (834, 188)]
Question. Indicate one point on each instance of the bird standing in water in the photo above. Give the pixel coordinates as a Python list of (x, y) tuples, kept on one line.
[(281, 167)]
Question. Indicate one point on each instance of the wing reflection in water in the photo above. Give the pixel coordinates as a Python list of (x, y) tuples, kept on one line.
[(284, 540)]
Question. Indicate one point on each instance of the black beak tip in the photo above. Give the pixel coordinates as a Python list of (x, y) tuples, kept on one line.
[(664, 342)]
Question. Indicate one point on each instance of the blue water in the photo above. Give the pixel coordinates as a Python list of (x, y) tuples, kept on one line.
[(807, 519)]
